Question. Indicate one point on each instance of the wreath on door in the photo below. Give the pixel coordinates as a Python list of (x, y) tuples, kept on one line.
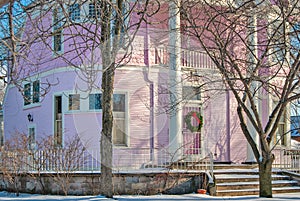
[(199, 119)]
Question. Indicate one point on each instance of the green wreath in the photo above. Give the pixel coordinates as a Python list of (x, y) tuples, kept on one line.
[(188, 121)]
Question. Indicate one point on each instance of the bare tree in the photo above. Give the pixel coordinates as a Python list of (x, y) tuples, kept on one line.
[(97, 45), (252, 44)]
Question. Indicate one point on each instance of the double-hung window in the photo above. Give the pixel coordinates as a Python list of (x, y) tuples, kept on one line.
[(119, 132), (31, 93)]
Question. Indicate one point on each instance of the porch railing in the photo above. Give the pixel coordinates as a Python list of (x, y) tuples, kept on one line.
[(89, 160), (189, 58), (287, 159)]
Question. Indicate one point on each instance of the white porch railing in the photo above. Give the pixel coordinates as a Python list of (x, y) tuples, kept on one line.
[(287, 159), (189, 58), (89, 160)]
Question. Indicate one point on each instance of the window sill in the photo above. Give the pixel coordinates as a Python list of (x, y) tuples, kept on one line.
[(120, 146), (33, 105)]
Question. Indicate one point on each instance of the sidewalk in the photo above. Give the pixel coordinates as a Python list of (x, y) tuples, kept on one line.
[(276, 197)]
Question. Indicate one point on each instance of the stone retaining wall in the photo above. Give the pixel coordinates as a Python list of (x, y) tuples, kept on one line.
[(142, 183)]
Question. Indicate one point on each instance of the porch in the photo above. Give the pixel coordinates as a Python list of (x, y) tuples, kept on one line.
[(195, 59), (126, 159)]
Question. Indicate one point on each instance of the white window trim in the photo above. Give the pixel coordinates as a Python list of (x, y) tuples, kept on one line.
[(31, 104)]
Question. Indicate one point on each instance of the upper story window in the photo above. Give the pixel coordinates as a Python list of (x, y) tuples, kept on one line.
[(32, 93), (74, 12), (74, 101), (36, 91), (94, 10), (57, 29), (27, 94)]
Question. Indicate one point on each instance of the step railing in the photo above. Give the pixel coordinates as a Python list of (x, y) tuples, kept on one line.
[(287, 159)]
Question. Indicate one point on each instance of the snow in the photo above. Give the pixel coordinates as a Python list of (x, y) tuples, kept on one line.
[(276, 197)]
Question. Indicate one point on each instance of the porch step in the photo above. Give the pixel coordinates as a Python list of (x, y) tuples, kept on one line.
[(238, 182)]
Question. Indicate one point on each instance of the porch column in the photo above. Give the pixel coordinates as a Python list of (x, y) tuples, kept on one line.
[(175, 85), (253, 53)]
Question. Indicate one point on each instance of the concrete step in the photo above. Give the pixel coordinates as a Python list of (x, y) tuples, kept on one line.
[(255, 191), (253, 185), (239, 182), (226, 178)]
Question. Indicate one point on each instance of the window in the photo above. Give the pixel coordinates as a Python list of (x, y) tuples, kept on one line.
[(95, 101), (57, 41), (119, 103), (36, 92), (74, 12), (31, 138), (281, 132), (57, 30), (58, 131), (94, 10), (119, 126), (191, 93), (74, 102), (32, 93), (27, 94)]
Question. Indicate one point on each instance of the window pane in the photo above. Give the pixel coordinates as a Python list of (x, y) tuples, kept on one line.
[(31, 138), (74, 12), (94, 10), (191, 93), (57, 41), (74, 102), (119, 136), (119, 102), (57, 29), (95, 102), (27, 94), (36, 92)]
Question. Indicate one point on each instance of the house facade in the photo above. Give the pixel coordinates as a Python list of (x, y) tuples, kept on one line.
[(58, 98)]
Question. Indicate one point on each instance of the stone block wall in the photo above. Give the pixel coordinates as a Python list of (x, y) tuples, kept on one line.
[(89, 183)]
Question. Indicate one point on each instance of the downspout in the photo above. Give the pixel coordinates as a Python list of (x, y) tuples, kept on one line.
[(228, 124), (151, 91)]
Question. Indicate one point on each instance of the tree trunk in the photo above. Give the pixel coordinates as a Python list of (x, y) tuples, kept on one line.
[(106, 135), (265, 176)]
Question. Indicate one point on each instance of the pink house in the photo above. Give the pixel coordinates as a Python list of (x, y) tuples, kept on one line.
[(60, 96)]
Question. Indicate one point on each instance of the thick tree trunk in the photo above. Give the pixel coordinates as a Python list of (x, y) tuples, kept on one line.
[(265, 176), (106, 135)]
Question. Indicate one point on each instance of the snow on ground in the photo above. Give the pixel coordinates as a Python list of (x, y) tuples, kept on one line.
[(276, 197)]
